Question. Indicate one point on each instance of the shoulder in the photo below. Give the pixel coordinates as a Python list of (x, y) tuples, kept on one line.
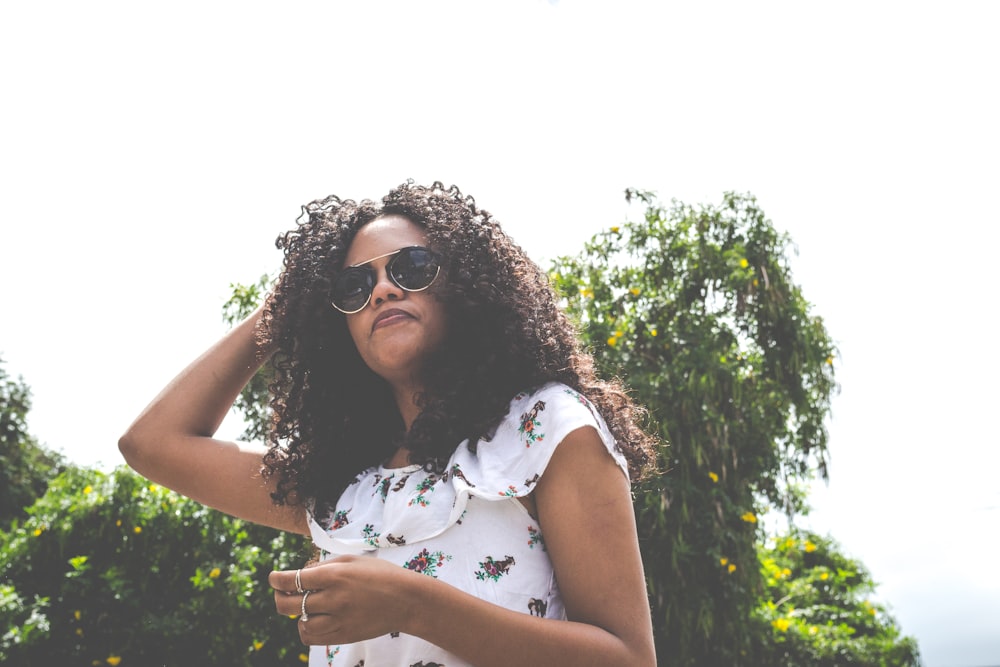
[(551, 398), (551, 411), (515, 456)]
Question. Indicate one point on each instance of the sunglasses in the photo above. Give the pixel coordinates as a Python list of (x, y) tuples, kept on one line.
[(412, 269)]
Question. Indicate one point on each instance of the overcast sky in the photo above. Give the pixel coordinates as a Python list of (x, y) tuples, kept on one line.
[(150, 154)]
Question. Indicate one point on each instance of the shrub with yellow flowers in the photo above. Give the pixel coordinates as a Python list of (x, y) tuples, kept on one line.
[(108, 569), (819, 609)]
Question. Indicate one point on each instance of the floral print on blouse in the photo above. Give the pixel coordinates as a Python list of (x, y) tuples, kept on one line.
[(464, 526)]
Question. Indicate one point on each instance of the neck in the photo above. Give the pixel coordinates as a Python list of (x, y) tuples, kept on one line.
[(406, 403)]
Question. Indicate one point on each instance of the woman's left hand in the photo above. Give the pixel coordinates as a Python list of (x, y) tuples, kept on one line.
[(350, 599)]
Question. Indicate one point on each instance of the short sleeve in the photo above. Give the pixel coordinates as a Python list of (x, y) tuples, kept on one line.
[(511, 462)]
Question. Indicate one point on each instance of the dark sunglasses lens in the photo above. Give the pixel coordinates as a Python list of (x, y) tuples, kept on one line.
[(414, 268), (352, 289)]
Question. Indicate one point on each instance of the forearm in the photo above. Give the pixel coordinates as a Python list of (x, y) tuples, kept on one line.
[(488, 635), (171, 441), (196, 401)]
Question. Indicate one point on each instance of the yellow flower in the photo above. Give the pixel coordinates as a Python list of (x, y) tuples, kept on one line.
[(214, 574), (824, 576), (749, 517), (829, 361), (615, 229), (303, 657), (76, 614), (113, 660), (257, 645), (587, 292), (810, 547), (731, 568), (79, 632), (137, 530), (790, 543), (293, 616), (152, 487), (813, 629), (781, 624), (756, 282), (87, 489), (744, 263), (38, 531), (653, 332), (786, 572), (715, 478), (723, 560), (612, 341), (635, 291)]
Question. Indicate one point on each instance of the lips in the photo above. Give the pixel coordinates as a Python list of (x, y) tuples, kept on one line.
[(387, 317)]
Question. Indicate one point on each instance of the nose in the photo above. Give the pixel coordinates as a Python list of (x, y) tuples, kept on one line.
[(385, 289)]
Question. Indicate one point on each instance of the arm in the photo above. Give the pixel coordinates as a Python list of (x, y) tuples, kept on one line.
[(171, 441), (585, 509)]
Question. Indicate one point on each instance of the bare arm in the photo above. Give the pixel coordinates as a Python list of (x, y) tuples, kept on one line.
[(171, 441), (585, 510)]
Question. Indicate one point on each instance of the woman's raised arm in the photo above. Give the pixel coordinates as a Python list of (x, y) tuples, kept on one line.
[(171, 441)]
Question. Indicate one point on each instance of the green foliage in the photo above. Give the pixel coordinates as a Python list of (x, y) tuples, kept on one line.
[(818, 610), (253, 399), (109, 567), (25, 466), (696, 309)]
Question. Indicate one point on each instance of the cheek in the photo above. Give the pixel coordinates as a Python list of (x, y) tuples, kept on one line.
[(355, 329), (440, 323)]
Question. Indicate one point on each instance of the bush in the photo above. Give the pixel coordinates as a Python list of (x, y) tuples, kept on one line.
[(110, 569), (818, 610), (25, 466)]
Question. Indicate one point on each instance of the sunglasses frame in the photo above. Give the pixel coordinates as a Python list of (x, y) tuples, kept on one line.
[(388, 273)]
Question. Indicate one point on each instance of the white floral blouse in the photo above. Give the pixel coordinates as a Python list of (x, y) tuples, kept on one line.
[(464, 527)]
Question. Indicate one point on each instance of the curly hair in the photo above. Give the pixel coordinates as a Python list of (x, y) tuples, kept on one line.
[(333, 417)]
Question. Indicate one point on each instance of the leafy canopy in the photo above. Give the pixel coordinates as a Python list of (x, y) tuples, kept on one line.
[(696, 309)]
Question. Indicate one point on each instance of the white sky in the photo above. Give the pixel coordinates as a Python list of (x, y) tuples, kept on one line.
[(150, 154)]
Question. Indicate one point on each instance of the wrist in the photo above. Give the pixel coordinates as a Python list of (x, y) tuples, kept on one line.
[(417, 592)]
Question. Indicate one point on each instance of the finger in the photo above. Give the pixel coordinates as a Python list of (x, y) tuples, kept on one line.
[(291, 605), (318, 631), (287, 605), (282, 580)]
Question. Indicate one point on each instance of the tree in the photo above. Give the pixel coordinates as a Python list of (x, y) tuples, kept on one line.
[(110, 568), (252, 402), (25, 466), (696, 309)]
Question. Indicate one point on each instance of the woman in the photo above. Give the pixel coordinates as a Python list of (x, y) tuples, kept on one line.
[(440, 435)]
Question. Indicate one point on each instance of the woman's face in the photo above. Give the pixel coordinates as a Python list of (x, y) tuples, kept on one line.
[(397, 329)]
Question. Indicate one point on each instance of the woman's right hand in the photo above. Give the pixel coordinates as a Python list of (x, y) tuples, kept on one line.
[(171, 441)]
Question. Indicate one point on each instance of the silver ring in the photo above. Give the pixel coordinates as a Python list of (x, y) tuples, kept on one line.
[(305, 616), (298, 581)]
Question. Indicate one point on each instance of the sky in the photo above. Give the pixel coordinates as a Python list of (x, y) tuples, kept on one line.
[(150, 154)]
